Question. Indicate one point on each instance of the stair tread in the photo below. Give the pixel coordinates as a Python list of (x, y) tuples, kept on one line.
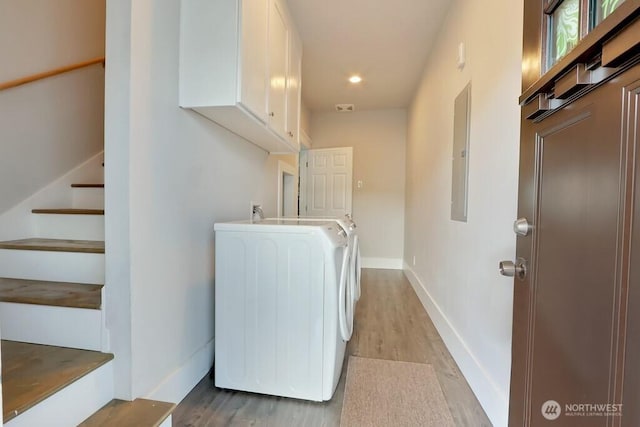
[(33, 372), (87, 185), (55, 245), (59, 294), (140, 412), (66, 211)]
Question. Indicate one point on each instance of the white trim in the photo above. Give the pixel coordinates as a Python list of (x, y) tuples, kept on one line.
[(491, 397), (73, 404), (51, 325), (383, 263), (302, 183), (305, 140), (75, 267), (285, 168), (69, 227), (178, 384)]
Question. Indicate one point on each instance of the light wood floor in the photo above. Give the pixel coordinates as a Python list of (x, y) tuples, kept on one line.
[(390, 324)]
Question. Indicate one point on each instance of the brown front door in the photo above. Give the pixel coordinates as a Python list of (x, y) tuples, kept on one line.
[(576, 332)]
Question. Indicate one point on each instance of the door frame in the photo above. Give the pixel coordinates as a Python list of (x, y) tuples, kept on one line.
[(285, 169)]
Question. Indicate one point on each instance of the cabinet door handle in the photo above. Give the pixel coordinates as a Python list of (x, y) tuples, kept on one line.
[(272, 114), (291, 134)]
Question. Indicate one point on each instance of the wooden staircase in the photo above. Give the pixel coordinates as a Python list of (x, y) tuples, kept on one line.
[(55, 245), (54, 370), (31, 373), (60, 294)]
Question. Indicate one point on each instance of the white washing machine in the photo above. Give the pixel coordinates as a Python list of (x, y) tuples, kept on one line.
[(351, 260), (278, 307)]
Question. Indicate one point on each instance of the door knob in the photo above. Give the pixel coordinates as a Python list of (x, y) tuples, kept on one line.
[(521, 227), (514, 269)]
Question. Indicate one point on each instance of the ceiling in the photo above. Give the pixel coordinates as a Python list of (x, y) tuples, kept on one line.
[(386, 42)]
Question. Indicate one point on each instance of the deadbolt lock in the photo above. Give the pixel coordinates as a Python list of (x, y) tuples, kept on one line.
[(514, 269), (521, 227)]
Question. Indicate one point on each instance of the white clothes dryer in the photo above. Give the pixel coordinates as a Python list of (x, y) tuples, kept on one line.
[(352, 260), (277, 307)]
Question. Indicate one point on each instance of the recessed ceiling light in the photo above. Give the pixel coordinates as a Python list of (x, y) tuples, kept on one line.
[(355, 79)]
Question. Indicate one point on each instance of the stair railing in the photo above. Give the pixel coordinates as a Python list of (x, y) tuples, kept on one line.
[(54, 72)]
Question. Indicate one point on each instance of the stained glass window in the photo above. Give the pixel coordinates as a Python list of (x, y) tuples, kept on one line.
[(604, 8), (565, 29), (568, 21)]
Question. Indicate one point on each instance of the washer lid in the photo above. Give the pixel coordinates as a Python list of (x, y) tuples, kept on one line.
[(277, 225)]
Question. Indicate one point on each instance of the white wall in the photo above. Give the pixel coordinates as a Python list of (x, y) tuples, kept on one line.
[(305, 119), (18, 222), (456, 272), (170, 174), (50, 126), (378, 138)]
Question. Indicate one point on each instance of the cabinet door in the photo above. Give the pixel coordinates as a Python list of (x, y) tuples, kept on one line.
[(294, 88), (278, 53), (253, 56)]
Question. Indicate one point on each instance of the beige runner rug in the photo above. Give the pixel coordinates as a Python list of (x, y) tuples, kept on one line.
[(382, 393)]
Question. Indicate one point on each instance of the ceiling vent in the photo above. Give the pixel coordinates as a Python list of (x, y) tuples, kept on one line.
[(344, 108)]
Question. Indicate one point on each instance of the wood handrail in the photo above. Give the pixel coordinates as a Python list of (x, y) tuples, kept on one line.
[(34, 77)]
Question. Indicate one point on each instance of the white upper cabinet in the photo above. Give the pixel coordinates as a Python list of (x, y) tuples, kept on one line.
[(253, 59), (294, 89), (278, 54), (234, 65)]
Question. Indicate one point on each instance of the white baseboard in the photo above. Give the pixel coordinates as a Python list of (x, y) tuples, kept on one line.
[(178, 384), (383, 263), (493, 400)]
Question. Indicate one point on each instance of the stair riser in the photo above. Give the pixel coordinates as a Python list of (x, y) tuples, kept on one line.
[(60, 326), (73, 404), (88, 198), (72, 227), (53, 266)]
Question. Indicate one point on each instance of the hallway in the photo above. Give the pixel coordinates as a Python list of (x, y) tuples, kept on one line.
[(390, 324)]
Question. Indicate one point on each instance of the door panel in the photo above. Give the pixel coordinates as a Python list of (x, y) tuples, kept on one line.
[(578, 176), (576, 338), (340, 192), (631, 378), (329, 178), (319, 192)]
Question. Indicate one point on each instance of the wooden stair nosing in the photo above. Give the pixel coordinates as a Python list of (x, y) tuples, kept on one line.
[(55, 245), (66, 211), (87, 185), (57, 294), (33, 372), (140, 412)]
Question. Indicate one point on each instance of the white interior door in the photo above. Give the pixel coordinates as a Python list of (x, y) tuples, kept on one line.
[(328, 182)]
